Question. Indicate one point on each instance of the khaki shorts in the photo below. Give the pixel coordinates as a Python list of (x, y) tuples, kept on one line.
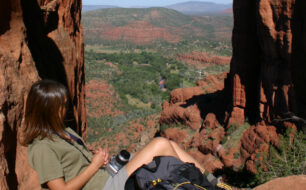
[(118, 181)]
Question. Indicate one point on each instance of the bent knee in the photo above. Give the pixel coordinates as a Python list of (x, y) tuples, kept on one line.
[(162, 147), (173, 143), (161, 142)]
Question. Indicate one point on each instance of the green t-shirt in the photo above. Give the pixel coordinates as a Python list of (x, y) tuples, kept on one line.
[(57, 158)]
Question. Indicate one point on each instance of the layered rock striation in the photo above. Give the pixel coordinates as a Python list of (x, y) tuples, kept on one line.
[(39, 39)]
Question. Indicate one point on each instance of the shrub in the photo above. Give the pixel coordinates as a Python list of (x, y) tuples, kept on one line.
[(289, 159)]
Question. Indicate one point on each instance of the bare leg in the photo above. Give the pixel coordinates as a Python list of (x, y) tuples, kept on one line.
[(159, 147), (185, 157)]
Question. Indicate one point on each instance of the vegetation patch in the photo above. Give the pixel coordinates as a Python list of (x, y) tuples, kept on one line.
[(135, 102), (233, 135), (289, 159)]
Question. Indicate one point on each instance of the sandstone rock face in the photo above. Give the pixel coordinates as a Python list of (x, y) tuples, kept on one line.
[(268, 62), (39, 39), (291, 182)]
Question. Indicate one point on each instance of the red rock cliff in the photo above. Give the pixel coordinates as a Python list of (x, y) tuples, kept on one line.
[(38, 39), (267, 74)]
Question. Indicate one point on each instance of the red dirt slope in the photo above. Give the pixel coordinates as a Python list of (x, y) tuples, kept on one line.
[(101, 99), (201, 59), (139, 32)]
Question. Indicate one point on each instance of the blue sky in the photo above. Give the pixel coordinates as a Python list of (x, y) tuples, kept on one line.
[(129, 3)]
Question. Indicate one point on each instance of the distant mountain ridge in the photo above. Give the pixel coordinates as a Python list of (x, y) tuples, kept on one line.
[(200, 8), (87, 8)]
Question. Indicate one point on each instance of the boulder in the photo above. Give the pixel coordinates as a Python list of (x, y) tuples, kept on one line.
[(285, 183)]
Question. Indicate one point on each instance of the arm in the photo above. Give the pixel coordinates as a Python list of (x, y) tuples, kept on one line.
[(76, 183)]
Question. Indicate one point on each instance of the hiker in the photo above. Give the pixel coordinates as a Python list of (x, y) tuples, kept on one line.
[(60, 156)]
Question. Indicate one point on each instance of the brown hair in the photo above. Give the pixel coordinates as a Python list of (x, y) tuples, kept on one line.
[(44, 113)]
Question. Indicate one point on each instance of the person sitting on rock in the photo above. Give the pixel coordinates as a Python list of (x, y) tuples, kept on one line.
[(59, 155)]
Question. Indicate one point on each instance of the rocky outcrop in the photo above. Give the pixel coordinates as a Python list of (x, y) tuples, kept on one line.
[(268, 64), (39, 39), (189, 105)]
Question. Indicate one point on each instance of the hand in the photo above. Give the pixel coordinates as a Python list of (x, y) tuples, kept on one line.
[(100, 158), (106, 157)]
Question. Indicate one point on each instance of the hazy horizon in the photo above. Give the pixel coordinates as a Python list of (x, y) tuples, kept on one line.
[(147, 3)]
